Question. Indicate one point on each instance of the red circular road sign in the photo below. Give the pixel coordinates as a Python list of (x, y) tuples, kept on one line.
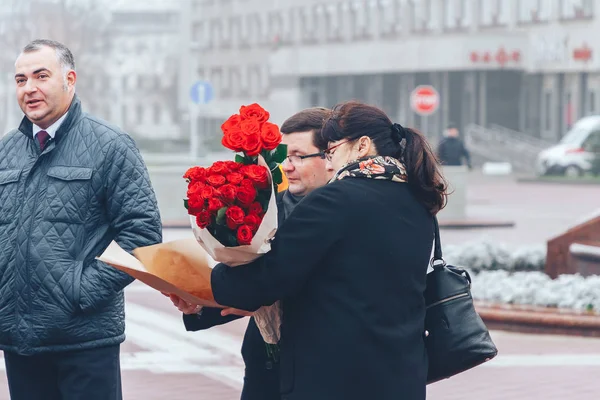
[(424, 100)]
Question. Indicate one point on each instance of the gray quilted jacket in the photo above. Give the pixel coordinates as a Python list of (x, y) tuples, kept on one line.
[(58, 211)]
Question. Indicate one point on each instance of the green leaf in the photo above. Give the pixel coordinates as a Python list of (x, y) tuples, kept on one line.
[(239, 159), (185, 204), (279, 154), (221, 216), (266, 155), (277, 176)]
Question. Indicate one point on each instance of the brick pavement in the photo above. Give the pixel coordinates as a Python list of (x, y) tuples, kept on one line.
[(528, 367), (162, 361)]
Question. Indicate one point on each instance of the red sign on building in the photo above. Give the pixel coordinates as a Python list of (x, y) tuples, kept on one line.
[(501, 56), (583, 53), (424, 100)]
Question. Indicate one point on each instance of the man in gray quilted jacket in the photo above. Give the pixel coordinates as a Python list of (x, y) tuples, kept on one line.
[(69, 184)]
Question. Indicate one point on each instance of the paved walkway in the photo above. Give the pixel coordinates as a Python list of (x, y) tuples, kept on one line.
[(162, 361)]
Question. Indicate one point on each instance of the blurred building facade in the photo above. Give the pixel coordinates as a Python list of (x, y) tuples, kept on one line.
[(142, 66), (526, 65)]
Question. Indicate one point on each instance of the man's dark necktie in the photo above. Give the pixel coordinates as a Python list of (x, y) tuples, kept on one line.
[(42, 137)]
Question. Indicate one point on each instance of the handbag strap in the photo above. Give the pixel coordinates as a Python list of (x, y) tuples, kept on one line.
[(437, 260)]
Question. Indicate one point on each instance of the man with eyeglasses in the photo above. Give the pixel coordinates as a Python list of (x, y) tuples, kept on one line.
[(306, 170)]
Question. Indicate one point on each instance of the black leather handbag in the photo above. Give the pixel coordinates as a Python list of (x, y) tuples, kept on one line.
[(457, 338)]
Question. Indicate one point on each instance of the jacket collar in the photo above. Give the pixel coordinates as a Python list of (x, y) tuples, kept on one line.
[(74, 112)]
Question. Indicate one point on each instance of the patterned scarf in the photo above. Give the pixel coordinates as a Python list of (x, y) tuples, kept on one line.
[(378, 167)]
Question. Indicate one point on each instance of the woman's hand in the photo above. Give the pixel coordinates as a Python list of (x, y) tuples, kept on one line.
[(184, 306)]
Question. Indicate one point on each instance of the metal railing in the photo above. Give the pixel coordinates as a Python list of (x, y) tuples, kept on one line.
[(500, 144)]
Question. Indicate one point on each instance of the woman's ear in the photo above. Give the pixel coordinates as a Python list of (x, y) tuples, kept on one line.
[(365, 147)]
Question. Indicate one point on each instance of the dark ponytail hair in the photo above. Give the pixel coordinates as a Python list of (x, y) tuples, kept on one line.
[(352, 120)]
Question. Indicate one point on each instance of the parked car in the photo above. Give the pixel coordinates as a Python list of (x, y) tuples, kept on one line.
[(574, 154)]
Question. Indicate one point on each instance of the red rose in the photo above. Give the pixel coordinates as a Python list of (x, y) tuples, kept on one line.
[(228, 193), (244, 235), (219, 168), (254, 111), (194, 189), (215, 205), (203, 219), (270, 136), (235, 178), (252, 144), (216, 180), (246, 195), (232, 122), (258, 174), (234, 217), (250, 127), (195, 174), (253, 221), (208, 192), (255, 209), (247, 183), (233, 166), (195, 205), (234, 139)]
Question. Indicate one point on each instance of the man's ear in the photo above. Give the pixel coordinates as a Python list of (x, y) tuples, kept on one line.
[(71, 79)]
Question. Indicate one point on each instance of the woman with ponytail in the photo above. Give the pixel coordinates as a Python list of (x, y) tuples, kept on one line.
[(350, 265)]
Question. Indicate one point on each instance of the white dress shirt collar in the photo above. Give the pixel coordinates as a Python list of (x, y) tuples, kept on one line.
[(51, 129)]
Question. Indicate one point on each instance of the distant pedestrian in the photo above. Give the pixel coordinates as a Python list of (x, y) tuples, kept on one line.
[(452, 150)]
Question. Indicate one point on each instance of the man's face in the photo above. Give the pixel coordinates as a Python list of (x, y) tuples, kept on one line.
[(44, 93), (452, 132), (308, 174)]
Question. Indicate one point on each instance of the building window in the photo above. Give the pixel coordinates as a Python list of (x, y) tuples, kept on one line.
[(334, 21), (307, 26), (254, 29), (139, 110), (358, 19), (216, 33), (576, 9), (216, 78), (421, 15), (235, 79), (389, 17), (157, 114), (493, 13), (227, 34), (548, 111), (533, 11), (106, 112), (275, 20), (321, 29), (457, 14)]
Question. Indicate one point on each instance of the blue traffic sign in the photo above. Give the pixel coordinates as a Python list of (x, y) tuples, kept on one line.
[(201, 92)]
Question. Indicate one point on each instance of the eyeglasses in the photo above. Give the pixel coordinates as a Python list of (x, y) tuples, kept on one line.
[(297, 160), (329, 153)]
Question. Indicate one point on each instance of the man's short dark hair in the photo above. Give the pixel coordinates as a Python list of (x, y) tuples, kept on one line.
[(452, 125), (65, 57), (310, 119)]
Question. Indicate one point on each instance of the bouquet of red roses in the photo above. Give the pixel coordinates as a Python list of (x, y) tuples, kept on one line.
[(229, 199), (232, 204)]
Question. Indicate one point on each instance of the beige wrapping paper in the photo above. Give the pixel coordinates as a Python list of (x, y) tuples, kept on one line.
[(180, 267)]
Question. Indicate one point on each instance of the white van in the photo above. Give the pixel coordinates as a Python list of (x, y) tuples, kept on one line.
[(573, 155)]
